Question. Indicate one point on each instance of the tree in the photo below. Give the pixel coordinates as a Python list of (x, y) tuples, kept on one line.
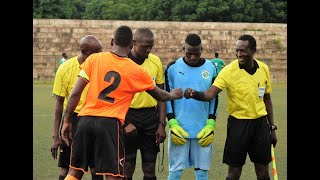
[(263, 11), (212, 11), (49, 9)]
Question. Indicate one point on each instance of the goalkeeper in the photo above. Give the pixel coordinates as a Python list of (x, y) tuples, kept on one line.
[(191, 122)]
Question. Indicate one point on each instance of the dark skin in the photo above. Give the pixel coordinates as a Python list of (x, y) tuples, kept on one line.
[(65, 56), (245, 58), (88, 45), (142, 46), (141, 49), (74, 98), (192, 54)]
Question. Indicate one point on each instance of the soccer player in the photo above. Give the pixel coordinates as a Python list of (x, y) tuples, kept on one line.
[(63, 58), (250, 128), (66, 77), (113, 79), (145, 121), (219, 63), (191, 122)]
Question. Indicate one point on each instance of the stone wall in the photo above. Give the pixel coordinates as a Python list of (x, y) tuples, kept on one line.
[(51, 37)]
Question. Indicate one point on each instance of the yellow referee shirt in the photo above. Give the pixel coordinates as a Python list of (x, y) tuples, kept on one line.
[(244, 91), (66, 77), (154, 67)]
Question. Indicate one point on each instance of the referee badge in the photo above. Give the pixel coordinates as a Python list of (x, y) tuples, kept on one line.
[(261, 91)]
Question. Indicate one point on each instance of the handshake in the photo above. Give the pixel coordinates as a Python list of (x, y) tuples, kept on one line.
[(189, 93), (206, 135)]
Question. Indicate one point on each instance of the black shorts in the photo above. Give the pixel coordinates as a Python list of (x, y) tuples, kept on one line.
[(98, 142), (146, 121), (247, 136), (64, 153)]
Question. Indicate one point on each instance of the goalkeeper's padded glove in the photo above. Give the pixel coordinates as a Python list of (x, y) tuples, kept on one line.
[(206, 135), (177, 133)]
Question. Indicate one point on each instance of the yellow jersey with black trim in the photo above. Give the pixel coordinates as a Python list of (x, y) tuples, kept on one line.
[(153, 66), (65, 78), (245, 92)]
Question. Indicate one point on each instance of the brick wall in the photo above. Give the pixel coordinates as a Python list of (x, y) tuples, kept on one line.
[(51, 37)]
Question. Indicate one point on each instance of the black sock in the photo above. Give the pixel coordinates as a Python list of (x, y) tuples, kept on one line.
[(61, 177), (97, 177)]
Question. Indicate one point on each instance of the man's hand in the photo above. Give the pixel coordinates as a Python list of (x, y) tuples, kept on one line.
[(55, 146), (177, 133), (177, 93), (189, 93), (130, 130), (206, 135), (66, 132), (160, 134)]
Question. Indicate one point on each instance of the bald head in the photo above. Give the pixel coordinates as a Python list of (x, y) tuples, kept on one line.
[(88, 45), (142, 32)]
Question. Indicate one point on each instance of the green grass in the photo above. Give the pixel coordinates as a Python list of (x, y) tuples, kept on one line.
[(45, 167)]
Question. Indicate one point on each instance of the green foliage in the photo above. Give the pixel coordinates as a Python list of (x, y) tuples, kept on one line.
[(212, 10), (186, 7), (96, 9), (75, 9), (263, 11), (48, 8), (160, 10), (118, 12)]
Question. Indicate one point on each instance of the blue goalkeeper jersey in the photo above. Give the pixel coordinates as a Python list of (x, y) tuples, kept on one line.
[(190, 113)]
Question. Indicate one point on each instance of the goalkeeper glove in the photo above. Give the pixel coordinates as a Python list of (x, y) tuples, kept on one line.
[(206, 135), (177, 133)]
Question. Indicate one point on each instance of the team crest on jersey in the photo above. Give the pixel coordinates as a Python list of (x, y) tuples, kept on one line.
[(205, 74)]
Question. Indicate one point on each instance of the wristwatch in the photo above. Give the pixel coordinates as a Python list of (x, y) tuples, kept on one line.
[(164, 123), (274, 127)]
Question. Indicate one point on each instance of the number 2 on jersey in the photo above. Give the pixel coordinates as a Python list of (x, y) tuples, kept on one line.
[(104, 93)]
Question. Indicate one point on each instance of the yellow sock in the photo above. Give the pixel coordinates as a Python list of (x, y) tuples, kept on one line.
[(69, 177)]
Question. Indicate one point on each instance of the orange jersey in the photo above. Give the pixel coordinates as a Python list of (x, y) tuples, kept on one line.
[(113, 82)]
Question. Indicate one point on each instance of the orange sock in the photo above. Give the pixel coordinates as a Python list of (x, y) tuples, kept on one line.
[(69, 177)]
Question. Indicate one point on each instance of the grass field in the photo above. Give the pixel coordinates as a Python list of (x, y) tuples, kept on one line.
[(45, 167)]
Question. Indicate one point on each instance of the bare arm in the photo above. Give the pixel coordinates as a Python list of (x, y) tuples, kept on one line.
[(162, 95), (74, 97), (161, 107), (207, 95), (66, 132), (269, 108), (56, 125), (57, 115)]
